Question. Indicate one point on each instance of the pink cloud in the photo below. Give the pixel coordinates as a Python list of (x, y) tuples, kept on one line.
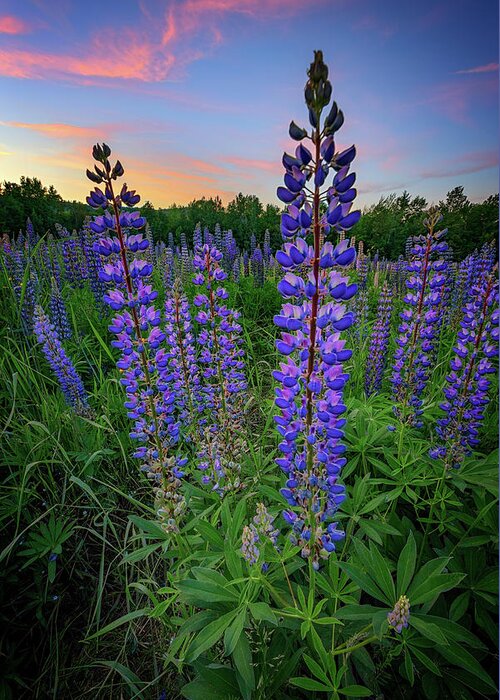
[(466, 163), (59, 131), (456, 99), (12, 25), (245, 163), (157, 49), (488, 68)]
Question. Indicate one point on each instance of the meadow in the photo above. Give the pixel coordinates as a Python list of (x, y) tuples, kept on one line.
[(248, 472)]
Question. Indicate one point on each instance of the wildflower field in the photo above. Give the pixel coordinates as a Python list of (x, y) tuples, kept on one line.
[(248, 472)]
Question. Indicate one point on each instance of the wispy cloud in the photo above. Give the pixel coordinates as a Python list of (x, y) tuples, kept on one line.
[(13, 25), (466, 163), (253, 164), (157, 49), (59, 131), (488, 68)]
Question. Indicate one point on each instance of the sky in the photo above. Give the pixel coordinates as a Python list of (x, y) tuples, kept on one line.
[(195, 96)]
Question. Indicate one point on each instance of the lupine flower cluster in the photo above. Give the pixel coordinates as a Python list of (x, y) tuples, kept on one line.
[(417, 332), (311, 377), (466, 393), (145, 369), (361, 301), (67, 376), (260, 530), (399, 617), (379, 342), (222, 372), (182, 355), (58, 313)]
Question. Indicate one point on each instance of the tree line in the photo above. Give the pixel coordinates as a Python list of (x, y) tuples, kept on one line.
[(384, 226)]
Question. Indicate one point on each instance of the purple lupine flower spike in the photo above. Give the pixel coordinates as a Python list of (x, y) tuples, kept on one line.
[(222, 374), (67, 376), (398, 617), (311, 377), (58, 313), (144, 363), (379, 342), (466, 393), (417, 332)]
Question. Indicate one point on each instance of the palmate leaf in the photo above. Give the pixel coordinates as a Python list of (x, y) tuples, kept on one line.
[(363, 580)]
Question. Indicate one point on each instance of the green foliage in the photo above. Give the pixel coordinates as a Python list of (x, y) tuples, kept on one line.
[(129, 610), (384, 226)]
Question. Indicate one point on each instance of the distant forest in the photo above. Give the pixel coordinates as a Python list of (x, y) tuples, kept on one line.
[(384, 227)]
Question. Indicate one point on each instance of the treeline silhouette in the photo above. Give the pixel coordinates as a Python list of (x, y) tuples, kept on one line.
[(384, 226)]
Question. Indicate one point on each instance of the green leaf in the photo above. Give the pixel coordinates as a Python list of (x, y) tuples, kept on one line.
[(435, 566), (383, 575), (426, 661), (316, 669), (242, 657), (149, 527), (408, 666), (319, 648), (357, 612), (364, 581), (310, 684), (356, 691), (209, 534), (117, 623), (428, 629), (459, 606), (197, 592), (456, 654), (233, 632), (406, 565), (434, 585), (262, 611), (133, 682), (197, 622), (209, 635)]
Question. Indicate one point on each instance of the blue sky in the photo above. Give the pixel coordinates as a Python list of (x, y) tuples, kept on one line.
[(195, 96)]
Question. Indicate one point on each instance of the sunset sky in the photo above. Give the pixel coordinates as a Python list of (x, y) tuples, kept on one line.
[(195, 96)]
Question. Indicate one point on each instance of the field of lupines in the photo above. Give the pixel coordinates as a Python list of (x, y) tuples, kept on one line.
[(248, 473)]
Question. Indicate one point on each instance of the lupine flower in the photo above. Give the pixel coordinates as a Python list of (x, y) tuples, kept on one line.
[(361, 299), (257, 267), (417, 331), (144, 363), (182, 358), (222, 371), (266, 248), (467, 387), (30, 298), (58, 313), (311, 377), (400, 615), (249, 549), (197, 236), (263, 523), (67, 376), (379, 341)]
